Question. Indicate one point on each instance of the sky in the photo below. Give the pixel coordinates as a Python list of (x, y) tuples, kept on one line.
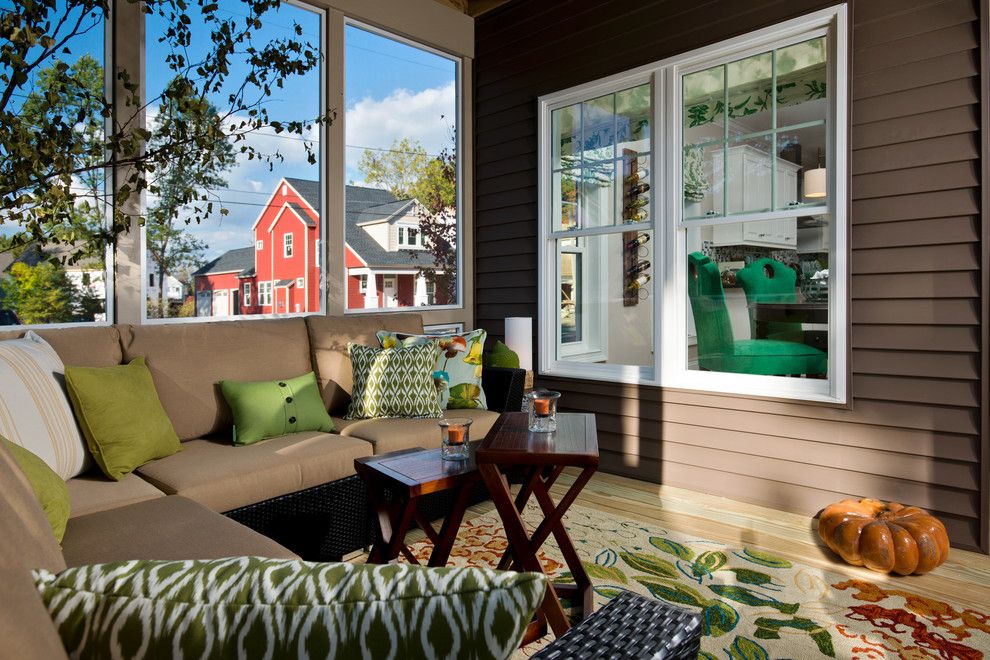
[(393, 90)]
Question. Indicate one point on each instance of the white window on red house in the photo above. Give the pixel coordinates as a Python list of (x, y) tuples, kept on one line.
[(247, 294), (259, 246), (287, 245), (363, 287), (300, 282)]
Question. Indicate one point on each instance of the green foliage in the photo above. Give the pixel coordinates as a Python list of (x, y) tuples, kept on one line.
[(398, 169), (38, 294), (502, 356)]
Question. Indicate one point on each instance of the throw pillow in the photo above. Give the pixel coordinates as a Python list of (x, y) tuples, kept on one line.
[(249, 607), (457, 373), (268, 409), (34, 410), (120, 415), (48, 487), (503, 357), (394, 382)]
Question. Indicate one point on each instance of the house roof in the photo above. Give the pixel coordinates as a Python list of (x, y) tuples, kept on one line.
[(303, 214), (392, 212), (284, 283), (237, 260), (308, 190), (371, 204)]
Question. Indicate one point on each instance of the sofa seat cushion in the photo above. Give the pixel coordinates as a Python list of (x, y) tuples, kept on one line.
[(93, 492), (223, 477), (165, 528), (392, 434)]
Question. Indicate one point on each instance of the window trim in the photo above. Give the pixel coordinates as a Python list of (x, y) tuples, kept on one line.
[(287, 245), (459, 62), (669, 230), (246, 295)]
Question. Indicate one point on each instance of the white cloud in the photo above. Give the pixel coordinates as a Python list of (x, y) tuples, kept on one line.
[(415, 115)]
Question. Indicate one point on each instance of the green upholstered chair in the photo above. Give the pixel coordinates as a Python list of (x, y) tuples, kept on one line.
[(719, 350), (769, 281)]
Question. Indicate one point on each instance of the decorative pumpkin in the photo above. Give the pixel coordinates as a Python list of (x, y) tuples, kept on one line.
[(885, 537)]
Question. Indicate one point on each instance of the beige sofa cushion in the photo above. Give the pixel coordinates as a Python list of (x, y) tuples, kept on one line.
[(26, 629), (328, 339), (223, 477), (188, 360), (89, 346), (165, 528), (92, 492), (394, 434)]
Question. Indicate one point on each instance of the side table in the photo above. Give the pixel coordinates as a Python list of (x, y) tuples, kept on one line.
[(408, 475), (542, 458)]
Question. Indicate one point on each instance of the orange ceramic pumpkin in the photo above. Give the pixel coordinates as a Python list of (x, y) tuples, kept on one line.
[(886, 537)]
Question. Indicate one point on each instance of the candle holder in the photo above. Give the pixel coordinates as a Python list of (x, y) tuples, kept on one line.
[(542, 410), (454, 438)]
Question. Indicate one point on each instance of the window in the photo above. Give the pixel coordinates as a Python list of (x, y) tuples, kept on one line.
[(151, 280), (402, 169), (717, 177), (431, 292), (363, 284), (256, 204), (247, 294), (300, 282)]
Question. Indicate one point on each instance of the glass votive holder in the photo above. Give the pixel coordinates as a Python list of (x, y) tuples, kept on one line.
[(542, 410), (454, 438)]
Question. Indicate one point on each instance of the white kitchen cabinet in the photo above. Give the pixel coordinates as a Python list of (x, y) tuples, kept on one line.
[(749, 190)]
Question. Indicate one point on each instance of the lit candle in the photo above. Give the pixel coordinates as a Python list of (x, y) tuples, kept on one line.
[(455, 435), (541, 407)]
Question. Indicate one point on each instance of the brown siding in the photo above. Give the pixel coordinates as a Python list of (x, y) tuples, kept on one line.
[(913, 431)]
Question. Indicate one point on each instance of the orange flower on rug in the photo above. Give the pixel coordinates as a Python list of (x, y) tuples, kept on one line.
[(754, 605)]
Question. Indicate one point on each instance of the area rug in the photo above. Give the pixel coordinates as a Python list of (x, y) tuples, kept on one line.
[(754, 605)]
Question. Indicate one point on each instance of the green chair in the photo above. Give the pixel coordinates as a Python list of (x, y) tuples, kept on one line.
[(769, 281), (719, 350)]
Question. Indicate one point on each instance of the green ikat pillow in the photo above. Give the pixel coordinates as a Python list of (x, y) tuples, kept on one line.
[(393, 382), (457, 373), (249, 607)]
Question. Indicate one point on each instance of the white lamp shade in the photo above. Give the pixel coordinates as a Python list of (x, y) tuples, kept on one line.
[(815, 183), (519, 337)]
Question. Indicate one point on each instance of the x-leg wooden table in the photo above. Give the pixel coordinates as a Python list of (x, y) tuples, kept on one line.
[(541, 457)]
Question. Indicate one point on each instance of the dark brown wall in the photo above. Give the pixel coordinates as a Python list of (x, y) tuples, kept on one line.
[(913, 432)]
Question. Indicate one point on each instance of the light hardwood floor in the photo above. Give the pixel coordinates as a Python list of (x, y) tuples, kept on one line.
[(964, 579)]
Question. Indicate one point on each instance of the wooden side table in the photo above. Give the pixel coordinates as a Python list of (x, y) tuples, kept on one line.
[(410, 474), (542, 458)]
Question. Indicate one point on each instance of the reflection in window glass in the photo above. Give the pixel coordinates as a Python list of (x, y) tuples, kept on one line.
[(401, 160), (270, 237), (64, 280)]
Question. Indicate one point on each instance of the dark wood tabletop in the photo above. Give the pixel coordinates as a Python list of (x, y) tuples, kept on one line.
[(422, 471), (510, 442)]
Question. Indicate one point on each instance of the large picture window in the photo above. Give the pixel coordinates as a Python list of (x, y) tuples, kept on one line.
[(266, 220), (741, 224), (402, 215)]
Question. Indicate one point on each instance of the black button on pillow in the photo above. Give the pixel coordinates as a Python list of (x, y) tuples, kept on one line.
[(288, 399), (292, 420), (281, 384)]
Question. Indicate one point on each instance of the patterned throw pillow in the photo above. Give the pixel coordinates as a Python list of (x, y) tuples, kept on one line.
[(395, 382), (34, 409), (458, 368), (248, 607)]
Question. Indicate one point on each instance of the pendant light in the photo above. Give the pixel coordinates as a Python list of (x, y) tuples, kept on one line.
[(816, 181)]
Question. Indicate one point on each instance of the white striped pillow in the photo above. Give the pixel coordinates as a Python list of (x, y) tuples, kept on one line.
[(34, 410)]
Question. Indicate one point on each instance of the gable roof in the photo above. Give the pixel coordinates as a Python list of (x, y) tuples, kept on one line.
[(374, 204), (236, 260), (308, 190)]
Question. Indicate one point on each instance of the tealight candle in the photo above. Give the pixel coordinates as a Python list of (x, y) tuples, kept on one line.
[(542, 406), (454, 437)]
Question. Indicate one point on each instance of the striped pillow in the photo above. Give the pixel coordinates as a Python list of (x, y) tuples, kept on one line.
[(34, 410)]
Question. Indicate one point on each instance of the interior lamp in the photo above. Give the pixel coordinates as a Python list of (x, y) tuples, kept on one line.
[(816, 181), (519, 337)]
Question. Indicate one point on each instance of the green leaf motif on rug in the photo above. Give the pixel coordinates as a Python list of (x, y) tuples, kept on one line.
[(746, 649), (763, 558), (767, 628), (672, 547), (751, 598), (718, 617), (608, 591), (648, 563), (610, 573), (675, 593), (707, 563), (746, 576)]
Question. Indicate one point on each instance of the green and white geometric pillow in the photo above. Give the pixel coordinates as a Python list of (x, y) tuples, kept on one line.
[(458, 369), (250, 607), (395, 382)]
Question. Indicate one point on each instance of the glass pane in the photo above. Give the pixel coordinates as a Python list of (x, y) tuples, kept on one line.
[(759, 308), (566, 124), (750, 101), (634, 198), (704, 133), (597, 206), (801, 174), (748, 180), (565, 199), (599, 128), (802, 82), (262, 257), (61, 279), (633, 109), (401, 168), (606, 299)]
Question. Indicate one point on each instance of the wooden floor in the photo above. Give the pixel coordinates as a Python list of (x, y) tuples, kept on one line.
[(964, 579)]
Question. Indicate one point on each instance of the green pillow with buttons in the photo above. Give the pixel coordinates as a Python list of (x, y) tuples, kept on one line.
[(268, 409)]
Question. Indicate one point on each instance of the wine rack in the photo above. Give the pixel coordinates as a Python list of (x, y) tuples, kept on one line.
[(635, 269)]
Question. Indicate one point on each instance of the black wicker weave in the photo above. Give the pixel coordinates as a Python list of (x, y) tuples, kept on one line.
[(631, 626), (503, 388)]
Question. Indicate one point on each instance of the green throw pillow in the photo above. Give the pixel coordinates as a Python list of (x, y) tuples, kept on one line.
[(121, 416), (268, 409), (393, 382), (457, 372), (249, 607), (48, 487), (502, 356)]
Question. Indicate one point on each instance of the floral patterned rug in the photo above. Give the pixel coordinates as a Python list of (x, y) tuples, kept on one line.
[(754, 605)]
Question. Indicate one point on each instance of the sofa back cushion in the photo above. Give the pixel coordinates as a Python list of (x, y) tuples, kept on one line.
[(188, 361), (328, 338), (90, 346)]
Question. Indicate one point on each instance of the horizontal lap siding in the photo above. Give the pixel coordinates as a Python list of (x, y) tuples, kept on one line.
[(913, 430)]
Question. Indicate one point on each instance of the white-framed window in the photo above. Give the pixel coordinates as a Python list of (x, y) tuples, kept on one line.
[(265, 294), (300, 282), (738, 217), (363, 283), (287, 245), (247, 294), (431, 291), (259, 246), (402, 236), (412, 235)]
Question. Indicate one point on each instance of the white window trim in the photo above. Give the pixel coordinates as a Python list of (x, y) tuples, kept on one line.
[(300, 282), (287, 245), (593, 346), (670, 367), (246, 301), (259, 246)]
